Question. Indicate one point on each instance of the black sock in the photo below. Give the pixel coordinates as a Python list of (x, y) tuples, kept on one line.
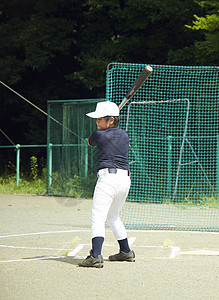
[(124, 246), (97, 243)]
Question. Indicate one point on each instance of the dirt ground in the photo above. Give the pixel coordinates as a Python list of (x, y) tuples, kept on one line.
[(36, 231)]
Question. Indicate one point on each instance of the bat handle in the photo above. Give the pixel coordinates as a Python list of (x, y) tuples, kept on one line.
[(123, 103)]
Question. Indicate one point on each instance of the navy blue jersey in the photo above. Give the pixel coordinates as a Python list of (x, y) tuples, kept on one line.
[(113, 147)]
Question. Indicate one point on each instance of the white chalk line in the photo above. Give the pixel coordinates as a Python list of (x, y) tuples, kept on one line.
[(33, 248), (71, 253), (46, 232), (31, 259), (200, 252), (88, 230), (175, 251), (70, 249), (76, 250), (131, 240)]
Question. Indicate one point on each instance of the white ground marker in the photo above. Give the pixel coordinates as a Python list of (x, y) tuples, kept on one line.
[(131, 240), (76, 250), (200, 252), (175, 252)]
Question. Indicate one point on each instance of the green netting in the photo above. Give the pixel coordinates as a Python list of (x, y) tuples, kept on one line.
[(71, 164), (173, 125)]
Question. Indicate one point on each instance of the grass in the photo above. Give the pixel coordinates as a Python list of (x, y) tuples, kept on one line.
[(26, 186), (35, 183), (207, 201), (73, 187), (78, 188)]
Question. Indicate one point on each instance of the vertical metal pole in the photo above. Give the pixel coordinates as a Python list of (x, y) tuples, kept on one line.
[(50, 165), (17, 163), (181, 149), (217, 172), (86, 159), (48, 149), (169, 165)]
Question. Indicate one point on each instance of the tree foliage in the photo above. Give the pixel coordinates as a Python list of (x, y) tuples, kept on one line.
[(207, 50), (60, 49)]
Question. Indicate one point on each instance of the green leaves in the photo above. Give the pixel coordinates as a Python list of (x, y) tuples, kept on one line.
[(209, 23), (60, 49), (207, 50)]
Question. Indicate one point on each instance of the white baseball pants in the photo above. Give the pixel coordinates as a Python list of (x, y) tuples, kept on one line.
[(109, 196)]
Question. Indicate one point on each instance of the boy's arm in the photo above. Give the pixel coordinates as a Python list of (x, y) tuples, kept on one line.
[(88, 142), (92, 140)]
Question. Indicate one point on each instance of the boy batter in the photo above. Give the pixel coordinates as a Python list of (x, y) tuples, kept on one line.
[(112, 186)]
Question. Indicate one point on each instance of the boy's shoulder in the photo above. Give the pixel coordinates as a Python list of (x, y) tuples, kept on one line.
[(116, 131), (111, 130)]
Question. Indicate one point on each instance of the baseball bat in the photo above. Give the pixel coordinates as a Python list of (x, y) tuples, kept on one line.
[(136, 85)]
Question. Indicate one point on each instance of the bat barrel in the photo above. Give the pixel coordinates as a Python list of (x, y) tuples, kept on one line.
[(136, 85)]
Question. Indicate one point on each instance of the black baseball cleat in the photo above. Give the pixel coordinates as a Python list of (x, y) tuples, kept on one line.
[(122, 256), (90, 261)]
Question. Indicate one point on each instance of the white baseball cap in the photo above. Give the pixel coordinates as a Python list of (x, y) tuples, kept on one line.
[(103, 109)]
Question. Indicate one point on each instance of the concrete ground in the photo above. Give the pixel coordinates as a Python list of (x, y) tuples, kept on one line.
[(42, 239)]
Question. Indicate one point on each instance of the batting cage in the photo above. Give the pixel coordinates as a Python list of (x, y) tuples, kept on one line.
[(71, 163), (173, 126)]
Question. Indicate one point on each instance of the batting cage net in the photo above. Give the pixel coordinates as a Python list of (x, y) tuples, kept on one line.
[(173, 126)]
